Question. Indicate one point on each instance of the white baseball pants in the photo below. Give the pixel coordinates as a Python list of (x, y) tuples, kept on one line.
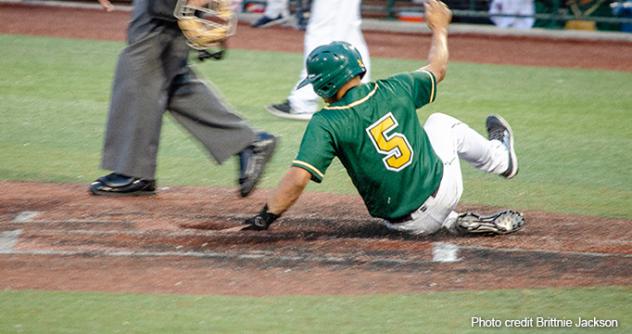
[(452, 140), (330, 20), (274, 8), (512, 7)]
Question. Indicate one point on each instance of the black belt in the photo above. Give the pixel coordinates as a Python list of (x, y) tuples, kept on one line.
[(409, 216)]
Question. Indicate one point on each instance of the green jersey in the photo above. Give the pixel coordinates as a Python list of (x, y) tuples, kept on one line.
[(375, 132)]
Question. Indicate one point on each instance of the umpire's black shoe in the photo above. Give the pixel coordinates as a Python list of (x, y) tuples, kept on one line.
[(498, 128), (252, 162), (120, 185)]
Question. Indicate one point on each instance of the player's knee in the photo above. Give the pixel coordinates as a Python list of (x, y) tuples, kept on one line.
[(439, 118)]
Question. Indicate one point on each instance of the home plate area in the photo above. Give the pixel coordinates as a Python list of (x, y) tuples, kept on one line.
[(183, 228)]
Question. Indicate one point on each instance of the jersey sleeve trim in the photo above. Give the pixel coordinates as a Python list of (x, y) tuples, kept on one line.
[(317, 174), (433, 85), (354, 103)]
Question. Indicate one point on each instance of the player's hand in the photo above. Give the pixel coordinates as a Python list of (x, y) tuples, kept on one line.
[(261, 221), (107, 5), (438, 15)]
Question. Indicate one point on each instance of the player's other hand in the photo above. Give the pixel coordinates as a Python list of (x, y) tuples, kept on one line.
[(438, 15)]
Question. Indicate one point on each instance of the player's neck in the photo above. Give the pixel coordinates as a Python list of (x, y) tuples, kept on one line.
[(344, 89)]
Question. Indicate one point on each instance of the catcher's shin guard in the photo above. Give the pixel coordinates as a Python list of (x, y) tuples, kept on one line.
[(503, 222)]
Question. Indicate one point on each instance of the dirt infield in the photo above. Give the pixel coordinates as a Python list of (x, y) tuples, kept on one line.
[(58, 237)]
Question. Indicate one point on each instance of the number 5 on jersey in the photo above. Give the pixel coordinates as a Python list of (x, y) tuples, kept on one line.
[(395, 146)]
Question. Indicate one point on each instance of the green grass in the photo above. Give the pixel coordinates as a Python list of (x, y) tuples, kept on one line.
[(573, 127), (438, 312), (574, 139)]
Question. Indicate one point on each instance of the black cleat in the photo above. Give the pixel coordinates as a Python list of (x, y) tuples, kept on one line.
[(284, 110), (266, 21), (503, 222), (121, 185), (252, 162), (498, 129)]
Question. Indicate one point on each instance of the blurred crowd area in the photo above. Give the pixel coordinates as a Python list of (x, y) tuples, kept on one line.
[(611, 15)]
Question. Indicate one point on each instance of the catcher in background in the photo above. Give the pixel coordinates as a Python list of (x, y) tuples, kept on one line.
[(407, 175), (152, 76)]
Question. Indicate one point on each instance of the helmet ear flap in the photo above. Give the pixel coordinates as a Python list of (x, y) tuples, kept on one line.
[(327, 88)]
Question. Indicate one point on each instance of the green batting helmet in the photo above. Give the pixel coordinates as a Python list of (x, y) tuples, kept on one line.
[(332, 65)]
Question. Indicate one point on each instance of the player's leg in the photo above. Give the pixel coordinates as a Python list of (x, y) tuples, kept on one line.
[(449, 139), (348, 28), (320, 30), (497, 8), (525, 8), (276, 13), (330, 20), (438, 209), (494, 155), (275, 8), (447, 135), (303, 103)]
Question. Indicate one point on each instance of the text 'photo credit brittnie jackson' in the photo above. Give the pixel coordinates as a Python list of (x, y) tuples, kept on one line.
[(543, 322)]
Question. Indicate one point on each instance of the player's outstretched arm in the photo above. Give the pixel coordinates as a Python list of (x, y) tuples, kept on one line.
[(438, 17), (283, 197), (289, 190)]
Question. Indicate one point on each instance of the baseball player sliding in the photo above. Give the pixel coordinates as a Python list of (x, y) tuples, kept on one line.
[(408, 175)]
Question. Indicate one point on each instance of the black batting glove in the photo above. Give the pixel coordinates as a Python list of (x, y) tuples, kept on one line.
[(261, 221)]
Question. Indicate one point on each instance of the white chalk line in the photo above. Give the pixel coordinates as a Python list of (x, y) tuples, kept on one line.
[(541, 251), (74, 222), (25, 216), (219, 233), (8, 240), (211, 255)]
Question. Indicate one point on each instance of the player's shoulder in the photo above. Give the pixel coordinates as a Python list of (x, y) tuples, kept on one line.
[(327, 117), (408, 77), (334, 121), (321, 118)]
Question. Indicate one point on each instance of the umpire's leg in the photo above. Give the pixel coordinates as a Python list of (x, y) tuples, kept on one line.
[(135, 117), (200, 109)]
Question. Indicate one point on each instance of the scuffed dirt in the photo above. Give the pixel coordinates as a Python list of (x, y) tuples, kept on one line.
[(326, 244)]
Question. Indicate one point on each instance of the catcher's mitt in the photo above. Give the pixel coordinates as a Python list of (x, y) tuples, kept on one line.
[(206, 26)]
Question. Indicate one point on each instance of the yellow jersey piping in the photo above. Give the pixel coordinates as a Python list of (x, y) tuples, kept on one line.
[(309, 166), (355, 103), (432, 88)]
